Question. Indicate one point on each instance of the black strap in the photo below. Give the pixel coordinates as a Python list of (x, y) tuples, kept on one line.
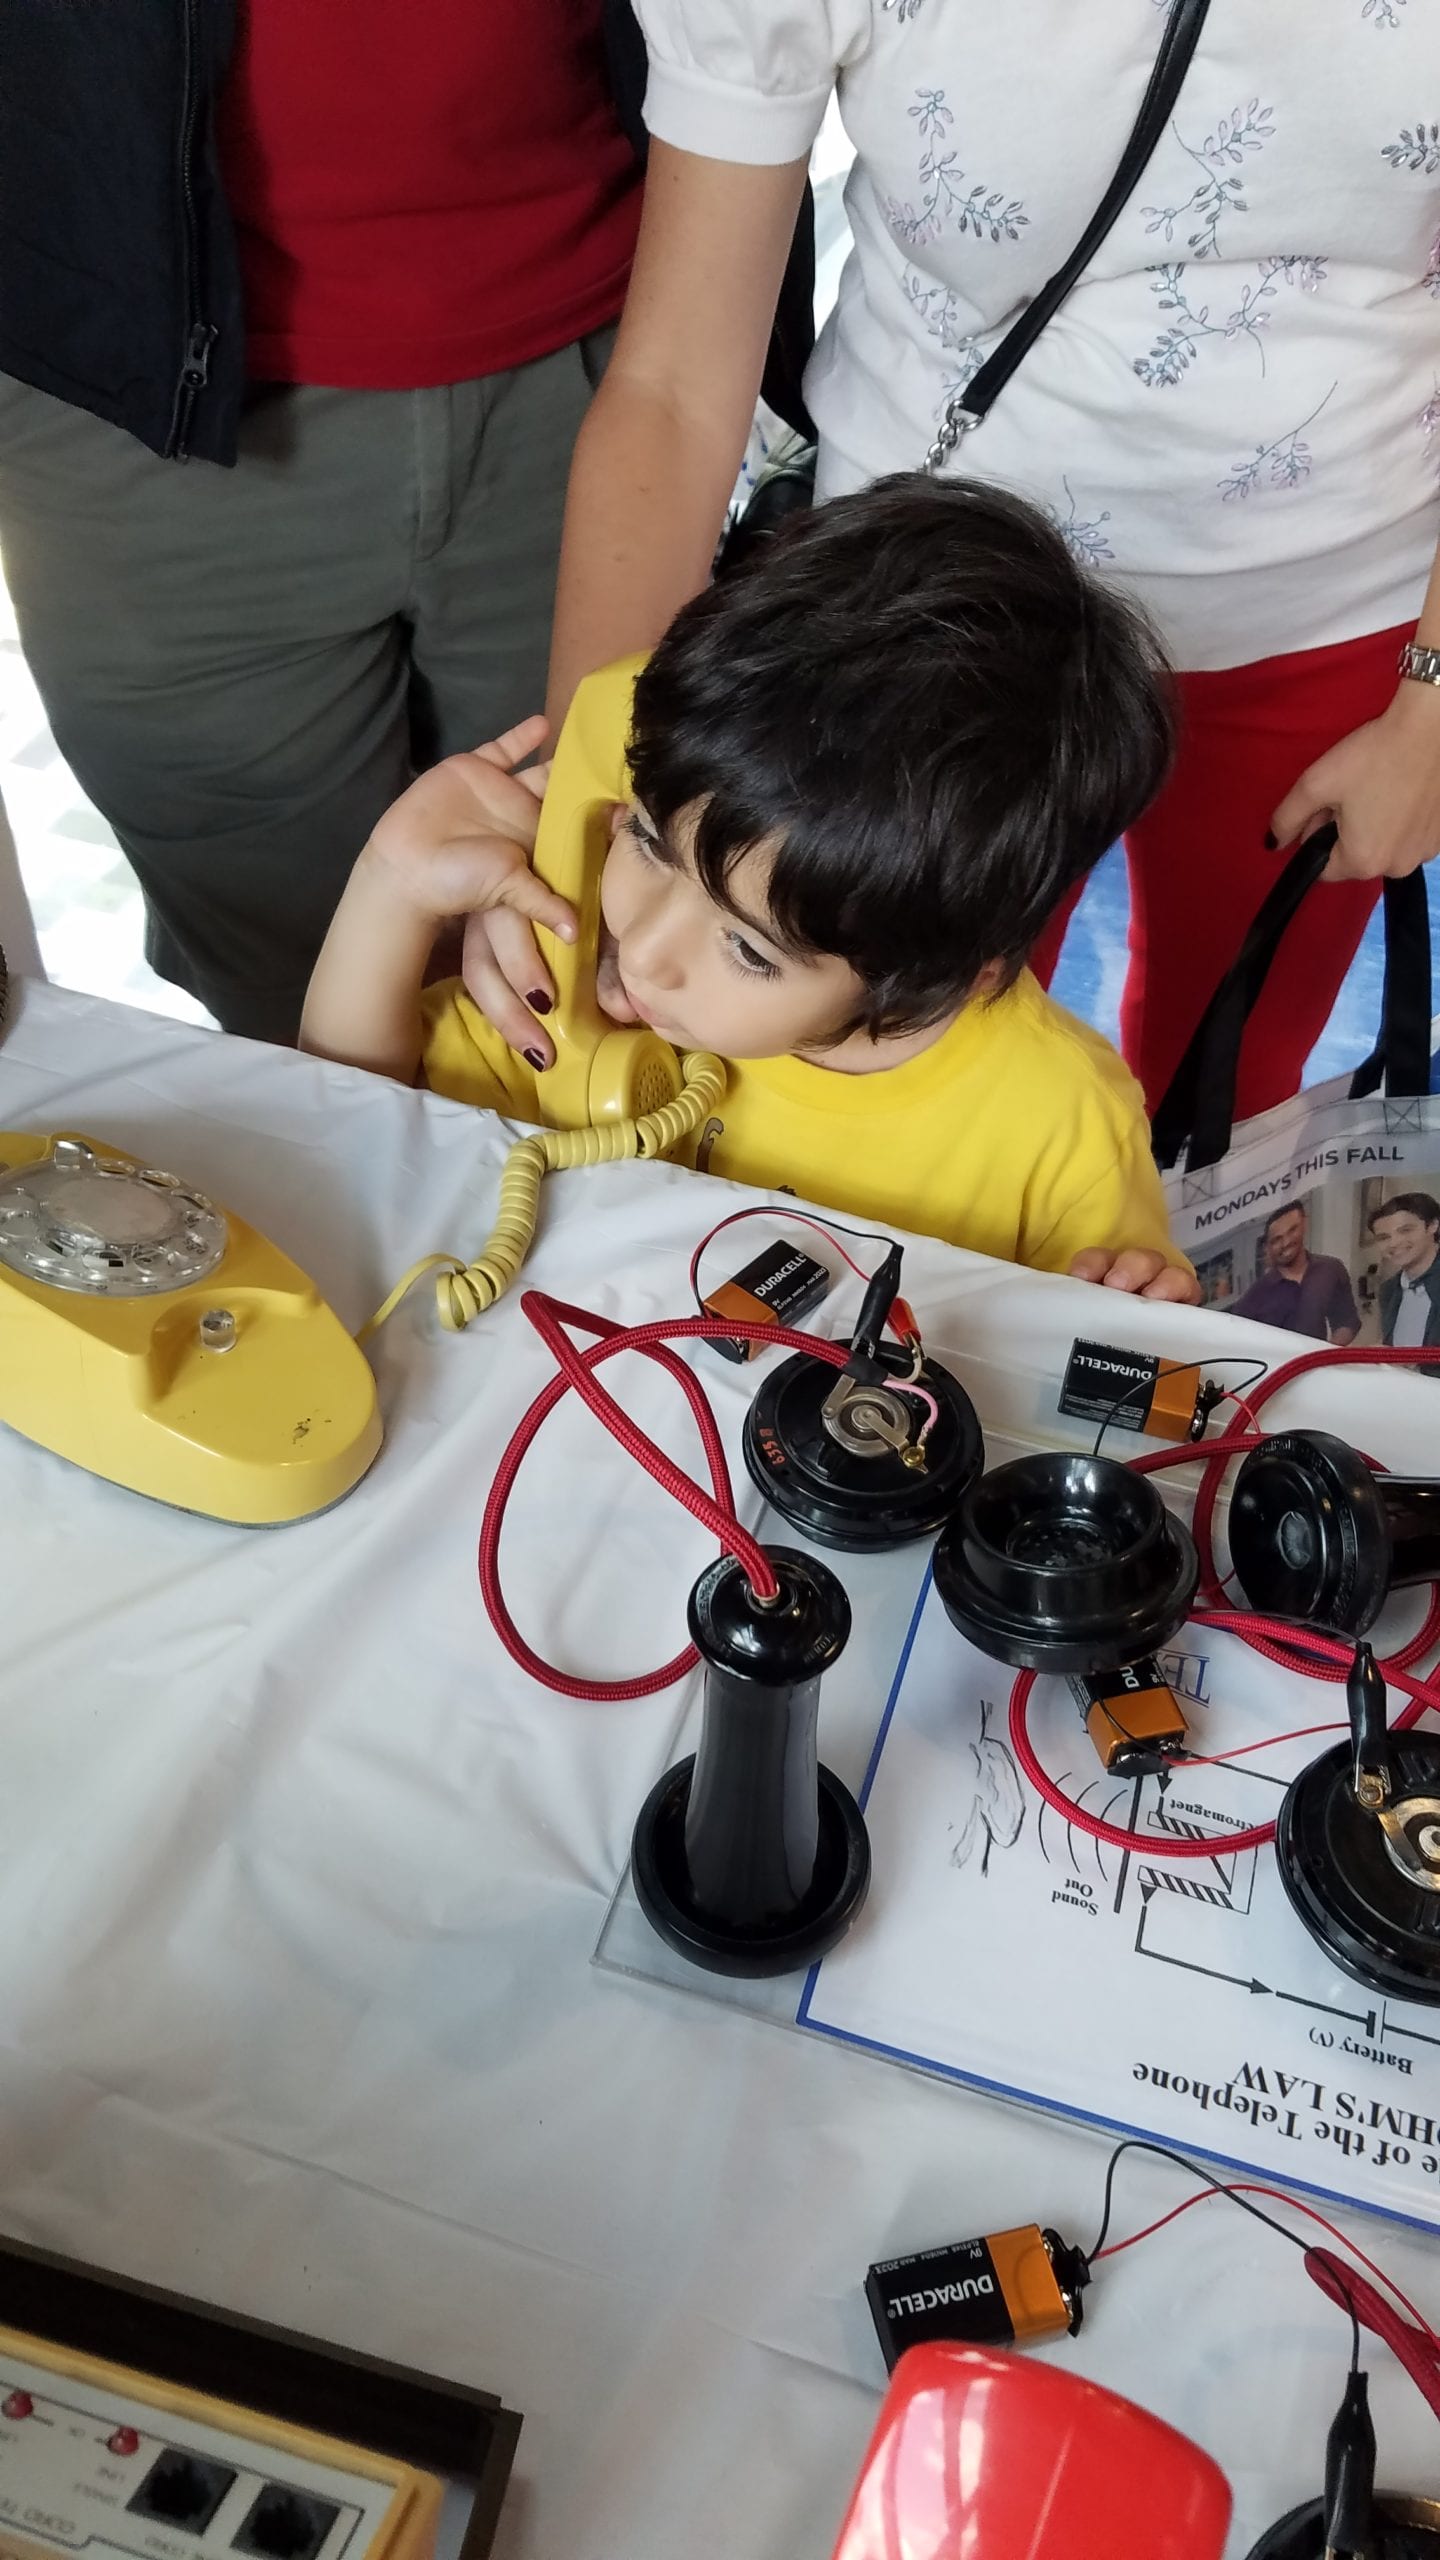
[(1177, 46), (1197, 1113), (1400, 1060)]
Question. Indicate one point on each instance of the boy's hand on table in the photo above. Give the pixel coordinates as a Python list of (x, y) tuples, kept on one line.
[(1138, 1270), (458, 843)]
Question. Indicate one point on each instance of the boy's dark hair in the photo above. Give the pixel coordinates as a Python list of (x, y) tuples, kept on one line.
[(1287, 1209), (937, 715), (1414, 1204)]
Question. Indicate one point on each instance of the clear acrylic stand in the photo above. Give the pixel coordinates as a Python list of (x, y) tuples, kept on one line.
[(1018, 1408), (884, 1591)]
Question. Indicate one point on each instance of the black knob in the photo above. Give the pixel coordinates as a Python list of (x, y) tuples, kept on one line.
[(1356, 1900), (1401, 2529), (865, 1500)]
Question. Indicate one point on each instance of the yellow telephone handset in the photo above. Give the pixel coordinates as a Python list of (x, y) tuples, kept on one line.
[(613, 1092), (602, 1072)]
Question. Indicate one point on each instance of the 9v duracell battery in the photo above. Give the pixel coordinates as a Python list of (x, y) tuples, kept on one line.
[(1136, 1390), (1002, 2290), (780, 1286)]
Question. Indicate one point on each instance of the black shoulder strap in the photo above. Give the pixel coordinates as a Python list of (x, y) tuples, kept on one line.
[(1400, 1060), (1198, 1106), (1177, 47), (1197, 1112)]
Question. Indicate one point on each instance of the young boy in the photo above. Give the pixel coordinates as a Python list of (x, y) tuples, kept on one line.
[(864, 773)]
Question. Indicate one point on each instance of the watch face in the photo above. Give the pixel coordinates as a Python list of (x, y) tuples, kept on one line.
[(84, 1222)]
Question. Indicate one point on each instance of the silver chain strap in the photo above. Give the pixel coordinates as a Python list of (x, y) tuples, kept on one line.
[(957, 422)]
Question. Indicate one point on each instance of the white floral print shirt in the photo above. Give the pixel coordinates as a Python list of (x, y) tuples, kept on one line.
[(1236, 414)]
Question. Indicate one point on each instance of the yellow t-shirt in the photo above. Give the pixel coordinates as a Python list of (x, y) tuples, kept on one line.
[(1018, 1133)]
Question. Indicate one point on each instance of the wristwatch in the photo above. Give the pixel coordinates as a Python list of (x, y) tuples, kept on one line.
[(1422, 664)]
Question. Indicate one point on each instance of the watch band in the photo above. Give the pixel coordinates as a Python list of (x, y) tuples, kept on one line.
[(1421, 664)]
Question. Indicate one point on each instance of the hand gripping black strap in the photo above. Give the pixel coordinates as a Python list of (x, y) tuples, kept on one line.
[(1197, 1113)]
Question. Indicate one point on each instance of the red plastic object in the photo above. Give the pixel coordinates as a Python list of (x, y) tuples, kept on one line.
[(984, 2455)]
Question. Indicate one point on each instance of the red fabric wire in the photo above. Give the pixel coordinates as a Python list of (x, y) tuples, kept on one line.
[(1411, 2340), (715, 1510), (1415, 2349), (1262, 1634), (1313, 1655)]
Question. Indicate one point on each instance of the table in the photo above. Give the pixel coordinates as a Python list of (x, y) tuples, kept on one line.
[(300, 1884)]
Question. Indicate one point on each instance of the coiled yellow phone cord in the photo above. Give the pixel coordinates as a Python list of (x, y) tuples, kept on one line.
[(463, 1290)]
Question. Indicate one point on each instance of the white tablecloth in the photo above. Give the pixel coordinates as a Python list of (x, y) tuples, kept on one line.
[(300, 1883)]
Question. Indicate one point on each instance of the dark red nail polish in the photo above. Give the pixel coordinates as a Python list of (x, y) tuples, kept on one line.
[(1271, 846), (538, 1001), (535, 1058)]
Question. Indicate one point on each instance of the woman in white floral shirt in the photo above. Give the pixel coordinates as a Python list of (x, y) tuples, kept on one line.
[(1234, 415)]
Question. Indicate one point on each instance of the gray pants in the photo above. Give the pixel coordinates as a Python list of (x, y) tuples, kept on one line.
[(244, 667)]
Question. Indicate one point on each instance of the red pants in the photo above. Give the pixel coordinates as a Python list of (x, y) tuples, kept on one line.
[(1199, 869)]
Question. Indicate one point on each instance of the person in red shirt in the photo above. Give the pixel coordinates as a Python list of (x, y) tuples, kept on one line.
[(423, 195), (429, 212)]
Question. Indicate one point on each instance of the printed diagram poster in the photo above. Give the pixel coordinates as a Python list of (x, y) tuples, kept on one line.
[(1003, 1947)]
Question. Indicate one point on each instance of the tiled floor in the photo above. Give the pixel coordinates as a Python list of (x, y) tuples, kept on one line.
[(82, 891)]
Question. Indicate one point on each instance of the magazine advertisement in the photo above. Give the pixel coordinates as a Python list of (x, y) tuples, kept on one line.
[(1323, 1218)]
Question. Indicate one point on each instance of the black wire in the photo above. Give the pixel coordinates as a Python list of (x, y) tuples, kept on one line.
[(1296, 2239), (1143, 1386), (1162, 2152), (1137, 1388)]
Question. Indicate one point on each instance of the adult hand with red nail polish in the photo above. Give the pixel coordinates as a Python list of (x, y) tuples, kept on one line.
[(1381, 787), (465, 832), (501, 963), (457, 843)]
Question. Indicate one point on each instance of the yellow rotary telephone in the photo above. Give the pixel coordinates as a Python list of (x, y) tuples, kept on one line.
[(157, 1341), (613, 1092)]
